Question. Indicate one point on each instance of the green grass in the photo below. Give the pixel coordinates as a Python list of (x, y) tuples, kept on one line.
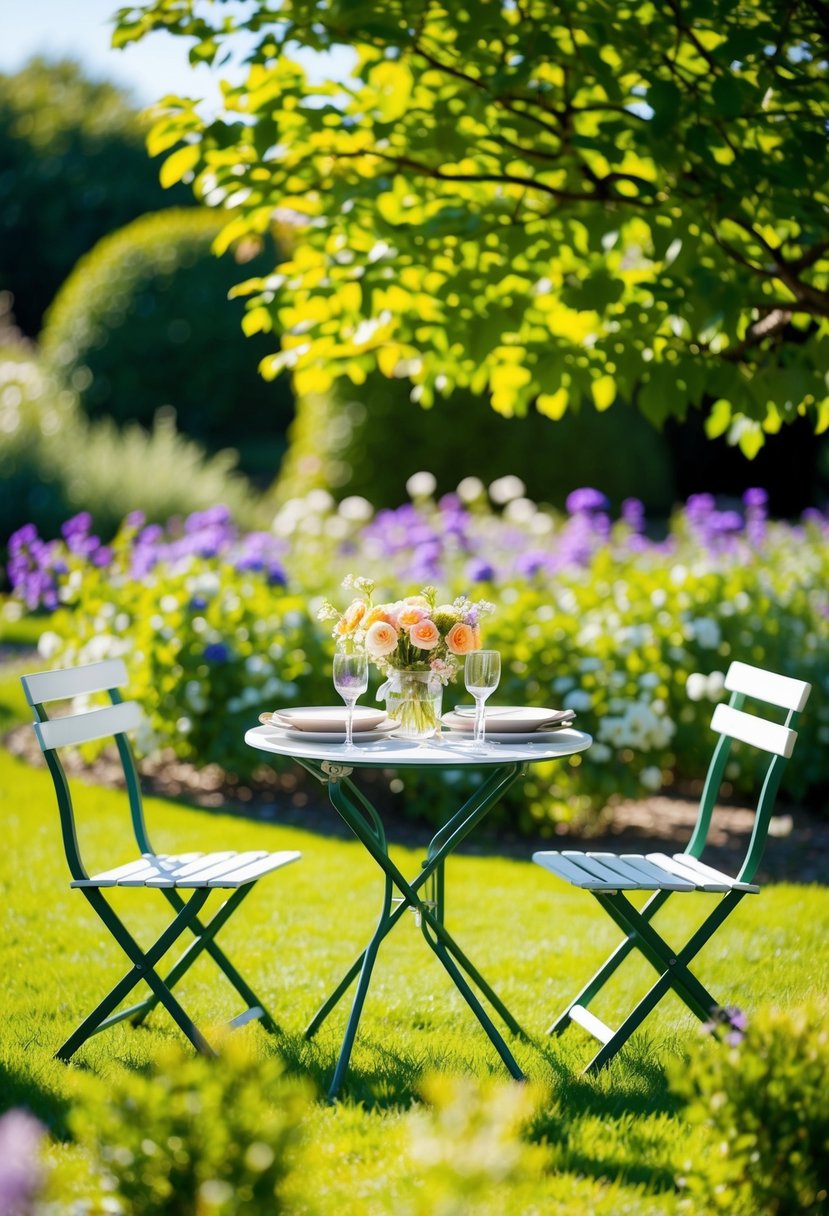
[(611, 1144)]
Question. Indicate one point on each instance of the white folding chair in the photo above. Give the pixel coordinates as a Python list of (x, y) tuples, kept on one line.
[(197, 874), (607, 876)]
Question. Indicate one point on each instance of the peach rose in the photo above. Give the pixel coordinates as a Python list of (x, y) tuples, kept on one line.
[(352, 616), (379, 614), (425, 634), (381, 639), (461, 639), (410, 616)]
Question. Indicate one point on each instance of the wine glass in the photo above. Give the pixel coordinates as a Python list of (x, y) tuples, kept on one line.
[(481, 674), (350, 681)]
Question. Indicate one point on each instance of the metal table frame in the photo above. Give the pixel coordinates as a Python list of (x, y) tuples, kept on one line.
[(424, 894)]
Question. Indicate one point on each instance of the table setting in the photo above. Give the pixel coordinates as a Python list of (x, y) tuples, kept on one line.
[(420, 646)]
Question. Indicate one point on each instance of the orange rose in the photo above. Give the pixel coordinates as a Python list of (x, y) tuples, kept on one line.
[(410, 616), (462, 638), (352, 616), (381, 639), (379, 614), (425, 634)]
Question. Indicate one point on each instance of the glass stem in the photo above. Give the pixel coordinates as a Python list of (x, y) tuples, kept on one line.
[(480, 719), (349, 720)]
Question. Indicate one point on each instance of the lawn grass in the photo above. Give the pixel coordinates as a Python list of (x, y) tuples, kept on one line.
[(614, 1143)]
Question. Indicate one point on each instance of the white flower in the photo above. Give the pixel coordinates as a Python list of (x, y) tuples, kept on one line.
[(651, 778), (421, 485), (696, 686), (470, 489), (319, 501), (715, 685), (356, 509), (706, 632), (49, 644), (504, 489)]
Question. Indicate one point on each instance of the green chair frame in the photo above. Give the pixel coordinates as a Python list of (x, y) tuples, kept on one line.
[(193, 873), (607, 876)]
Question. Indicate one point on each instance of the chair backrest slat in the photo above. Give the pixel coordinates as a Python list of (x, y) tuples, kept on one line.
[(45, 686), (758, 732), (84, 728), (766, 686)]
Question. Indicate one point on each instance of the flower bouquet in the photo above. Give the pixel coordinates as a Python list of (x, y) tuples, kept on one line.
[(418, 644)]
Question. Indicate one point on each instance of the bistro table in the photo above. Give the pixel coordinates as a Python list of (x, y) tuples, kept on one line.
[(333, 764)]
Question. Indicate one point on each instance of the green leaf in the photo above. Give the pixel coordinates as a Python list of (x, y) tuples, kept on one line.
[(181, 162)]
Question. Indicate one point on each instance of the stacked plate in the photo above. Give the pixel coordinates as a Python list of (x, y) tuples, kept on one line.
[(326, 723), (510, 723)]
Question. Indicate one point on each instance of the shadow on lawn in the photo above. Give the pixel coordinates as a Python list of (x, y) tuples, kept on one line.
[(20, 1088)]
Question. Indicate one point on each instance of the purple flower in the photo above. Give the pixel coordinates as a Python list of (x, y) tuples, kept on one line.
[(78, 525), (135, 519), (22, 537), (276, 575), (197, 603), (756, 497), (478, 570), (586, 499), (216, 652), (20, 1170)]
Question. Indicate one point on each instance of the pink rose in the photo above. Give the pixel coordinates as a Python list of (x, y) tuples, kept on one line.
[(425, 634), (381, 639)]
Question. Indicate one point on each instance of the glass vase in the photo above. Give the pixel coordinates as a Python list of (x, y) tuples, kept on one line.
[(413, 698)]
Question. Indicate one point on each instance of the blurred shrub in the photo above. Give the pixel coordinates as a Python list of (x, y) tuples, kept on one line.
[(53, 462), (764, 1099), (634, 635), (73, 166), (197, 1138), (144, 321), (343, 441)]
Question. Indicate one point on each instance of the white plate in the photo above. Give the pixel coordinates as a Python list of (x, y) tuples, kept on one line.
[(507, 719), (338, 736), (330, 718), (511, 736)]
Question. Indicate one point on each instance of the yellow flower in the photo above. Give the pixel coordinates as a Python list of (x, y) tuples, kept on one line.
[(351, 618)]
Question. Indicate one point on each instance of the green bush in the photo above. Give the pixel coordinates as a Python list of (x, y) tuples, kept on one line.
[(53, 462), (73, 167), (342, 440), (197, 1138), (764, 1099), (144, 321)]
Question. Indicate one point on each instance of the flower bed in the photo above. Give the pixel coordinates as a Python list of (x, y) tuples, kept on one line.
[(634, 634)]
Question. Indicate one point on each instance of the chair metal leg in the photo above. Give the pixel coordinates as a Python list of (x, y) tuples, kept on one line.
[(673, 967), (143, 968), (204, 941), (595, 985)]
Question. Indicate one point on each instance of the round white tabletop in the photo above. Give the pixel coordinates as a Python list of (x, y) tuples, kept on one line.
[(445, 750)]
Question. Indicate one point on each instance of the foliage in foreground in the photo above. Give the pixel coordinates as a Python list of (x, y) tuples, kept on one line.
[(764, 1098), (199, 1138), (552, 203), (634, 635)]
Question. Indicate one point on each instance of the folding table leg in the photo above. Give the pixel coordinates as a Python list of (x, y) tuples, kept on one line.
[(474, 1004)]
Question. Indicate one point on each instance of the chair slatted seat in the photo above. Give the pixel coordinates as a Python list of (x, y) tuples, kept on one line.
[(195, 873), (609, 877)]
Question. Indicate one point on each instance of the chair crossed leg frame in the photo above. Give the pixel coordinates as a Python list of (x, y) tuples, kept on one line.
[(144, 963), (672, 967), (364, 821)]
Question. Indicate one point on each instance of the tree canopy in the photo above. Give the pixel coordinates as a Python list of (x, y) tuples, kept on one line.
[(554, 202)]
